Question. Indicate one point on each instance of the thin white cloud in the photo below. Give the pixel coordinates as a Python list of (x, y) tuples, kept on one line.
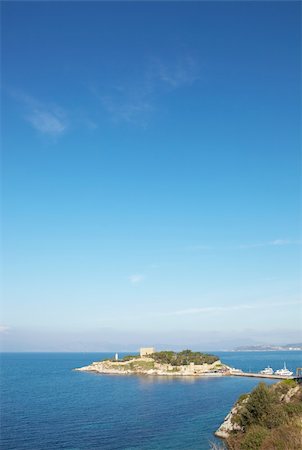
[(47, 119), (215, 311), (136, 278), (274, 243), (46, 122), (223, 309), (209, 309), (4, 328), (134, 99), (282, 242), (184, 71), (127, 109)]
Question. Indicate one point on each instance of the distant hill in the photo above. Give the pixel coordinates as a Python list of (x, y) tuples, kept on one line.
[(269, 348)]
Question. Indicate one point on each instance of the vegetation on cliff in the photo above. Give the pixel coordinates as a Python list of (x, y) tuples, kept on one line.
[(183, 358), (135, 364), (268, 418)]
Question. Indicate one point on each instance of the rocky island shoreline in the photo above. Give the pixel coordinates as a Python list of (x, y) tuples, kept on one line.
[(165, 363)]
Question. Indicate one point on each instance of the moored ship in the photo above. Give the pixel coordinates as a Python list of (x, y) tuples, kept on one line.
[(284, 372), (267, 371)]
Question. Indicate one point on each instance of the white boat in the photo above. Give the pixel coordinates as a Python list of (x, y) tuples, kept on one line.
[(267, 371), (284, 372)]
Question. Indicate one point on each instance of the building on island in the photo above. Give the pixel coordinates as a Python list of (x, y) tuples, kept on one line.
[(145, 351)]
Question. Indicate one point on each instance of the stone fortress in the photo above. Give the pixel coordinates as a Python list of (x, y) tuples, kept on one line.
[(145, 351)]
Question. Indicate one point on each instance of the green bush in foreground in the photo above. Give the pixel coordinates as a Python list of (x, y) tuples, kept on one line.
[(288, 383), (254, 438), (242, 397), (270, 420), (284, 386), (258, 407)]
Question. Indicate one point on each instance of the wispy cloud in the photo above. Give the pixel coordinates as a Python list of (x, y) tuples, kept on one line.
[(216, 311), (184, 71), (127, 108), (47, 119), (4, 328), (223, 247), (283, 242), (274, 243), (46, 122), (223, 309), (134, 99), (136, 278)]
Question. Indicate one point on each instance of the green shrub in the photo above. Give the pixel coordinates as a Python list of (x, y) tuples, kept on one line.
[(129, 357), (242, 398), (236, 418), (254, 438), (284, 386), (290, 383), (142, 365), (275, 417), (183, 358), (293, 409), (258, 406), (268, 422)]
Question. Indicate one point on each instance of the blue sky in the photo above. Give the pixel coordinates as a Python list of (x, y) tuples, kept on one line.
[(151, 171)]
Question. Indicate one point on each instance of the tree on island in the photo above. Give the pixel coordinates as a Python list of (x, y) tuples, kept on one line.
[(183, 358)]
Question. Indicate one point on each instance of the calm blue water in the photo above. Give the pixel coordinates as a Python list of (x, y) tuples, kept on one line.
[(46, 405)]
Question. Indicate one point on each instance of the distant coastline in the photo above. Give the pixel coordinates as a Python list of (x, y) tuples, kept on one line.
[(269, 348)]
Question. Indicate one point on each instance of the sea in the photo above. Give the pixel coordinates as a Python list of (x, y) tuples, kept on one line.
[(47, 405)]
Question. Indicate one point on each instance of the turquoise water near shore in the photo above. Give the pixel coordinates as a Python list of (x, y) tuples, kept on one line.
[(47, 405)]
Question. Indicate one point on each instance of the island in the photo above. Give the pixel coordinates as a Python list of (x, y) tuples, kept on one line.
[(164, 363), (270, 417)]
